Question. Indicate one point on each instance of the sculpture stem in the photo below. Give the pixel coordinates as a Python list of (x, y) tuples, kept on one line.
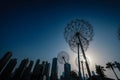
[(86, 62)]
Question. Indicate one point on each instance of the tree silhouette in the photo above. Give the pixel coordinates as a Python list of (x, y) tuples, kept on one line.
[(73, 75), (117, 65), (100, 70), (111, 66)]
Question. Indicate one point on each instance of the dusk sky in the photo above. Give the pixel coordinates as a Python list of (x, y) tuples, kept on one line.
[(35, 29)]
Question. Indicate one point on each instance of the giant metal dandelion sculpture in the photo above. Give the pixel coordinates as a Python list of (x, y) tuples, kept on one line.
[(63, 57), (78, 33)]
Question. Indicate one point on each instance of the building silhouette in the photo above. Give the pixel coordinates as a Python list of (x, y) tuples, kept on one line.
[(54, 70), (40, 71), (20, 70), (4, 60), (36, 65), (36, 71), (6, 73), (27, 72), (67, 70), (47, 70)]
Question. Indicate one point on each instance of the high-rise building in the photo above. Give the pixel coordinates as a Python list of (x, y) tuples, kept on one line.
[(28, 69), (42, 71), (20, 70), (67, 70), (38, 75), (62, 76), (47, 70), (43, 68), (5, 75), (27, 72), (4, 60), (36, 71), (93, 73), (54, 70), (36, 65)]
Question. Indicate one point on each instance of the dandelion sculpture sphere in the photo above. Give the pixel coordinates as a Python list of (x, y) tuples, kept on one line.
[(63, 57), (78, 28), (78, 33)]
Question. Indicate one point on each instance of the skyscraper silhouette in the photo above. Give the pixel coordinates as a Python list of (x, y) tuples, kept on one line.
[(5, 75), (20, 70), (36, 70), (54, 70), (67, 70), (4, 60), (42, 70), (47, 70), (27, 72)]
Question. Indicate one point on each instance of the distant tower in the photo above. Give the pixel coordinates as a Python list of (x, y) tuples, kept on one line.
[(28, 69), (36, 65), (62, 76), (27, 72), (19, 72), (36, 70), (42, 70), (93, 73), (4, 60), (5, 75), (67, 70), (47, 70), (54, 70)]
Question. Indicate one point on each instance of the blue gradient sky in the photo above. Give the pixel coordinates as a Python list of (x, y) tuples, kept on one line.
[(34, 29)]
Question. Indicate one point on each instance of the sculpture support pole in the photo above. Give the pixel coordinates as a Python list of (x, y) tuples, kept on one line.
[(80, 77), (87, 66), (83, 70), (64, 59)]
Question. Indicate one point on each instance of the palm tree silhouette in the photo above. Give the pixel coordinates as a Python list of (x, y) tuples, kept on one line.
[(100, 70), (111, 65), (117, 65)]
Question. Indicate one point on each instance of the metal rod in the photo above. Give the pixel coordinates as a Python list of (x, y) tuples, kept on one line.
[(83, 70), (64, 59), (80, 77), (86, 62)]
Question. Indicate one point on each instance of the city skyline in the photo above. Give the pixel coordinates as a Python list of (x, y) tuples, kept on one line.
[(36, 29)]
